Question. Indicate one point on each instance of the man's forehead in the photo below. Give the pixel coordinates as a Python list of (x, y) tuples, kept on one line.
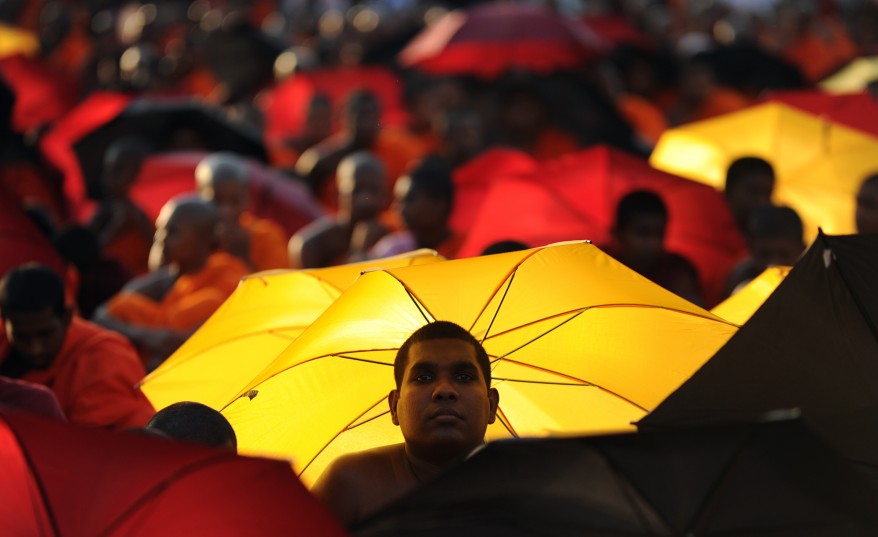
[(442, 351)]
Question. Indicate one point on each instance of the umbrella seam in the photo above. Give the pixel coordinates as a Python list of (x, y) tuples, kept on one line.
[(32, 467)]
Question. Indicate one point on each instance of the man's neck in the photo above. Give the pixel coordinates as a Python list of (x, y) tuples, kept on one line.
[(426, 468)]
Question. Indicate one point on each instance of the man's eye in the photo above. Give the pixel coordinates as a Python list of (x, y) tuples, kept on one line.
[(463, 377), (423, 378)]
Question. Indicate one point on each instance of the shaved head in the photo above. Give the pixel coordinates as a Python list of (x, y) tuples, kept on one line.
[(188, 236), (195, 213), (222, 167), (355, 164)]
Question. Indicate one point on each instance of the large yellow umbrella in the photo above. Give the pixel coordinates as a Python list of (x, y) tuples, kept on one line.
[(853, 77), (266, 312), (819, 164), (579, 343), (743, 304)]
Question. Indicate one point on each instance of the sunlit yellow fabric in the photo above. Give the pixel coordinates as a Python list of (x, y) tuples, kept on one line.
[(739, 307), (853, 77), (579, 344), (266, 312), (17, 41), (819, 164)]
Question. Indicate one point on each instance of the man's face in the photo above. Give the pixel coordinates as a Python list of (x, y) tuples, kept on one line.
[(642, 240), (37, 336), (180, 242), (443, 405), (365, 194), (229, 197), (416, 209), (750, 194), (784, 251)]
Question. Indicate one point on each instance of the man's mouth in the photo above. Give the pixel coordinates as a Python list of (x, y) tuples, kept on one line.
[(445, 414)]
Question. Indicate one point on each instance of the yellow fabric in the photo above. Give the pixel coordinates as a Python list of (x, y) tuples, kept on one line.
[(819, 164), (264, 314), (852, 78), (579, 344), (17, 41), (739, 307)]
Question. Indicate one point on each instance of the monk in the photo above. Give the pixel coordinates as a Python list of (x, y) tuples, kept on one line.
[(160, 310), (424, 199), (442, 403), (92, 371), (223, 180), (350, 233), (123, 229)]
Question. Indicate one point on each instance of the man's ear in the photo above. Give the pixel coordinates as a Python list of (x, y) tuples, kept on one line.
[(494, 403), (392, 400)]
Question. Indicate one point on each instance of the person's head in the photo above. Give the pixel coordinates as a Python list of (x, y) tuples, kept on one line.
[(122, 163), (362, 117), (641, 220), (749, 185), (443, 402), (192, 422), (223, 180), (318, 119), (35, 315), (424, 198), (504, 246), (362, 186), (463, 134), (867, 206), (697, 79), (522, 108), (78, 245), (186, 233), (775, 236)]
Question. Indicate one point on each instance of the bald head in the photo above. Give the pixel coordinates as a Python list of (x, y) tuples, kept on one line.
[(188, 236), (196, 214), (223, 180)]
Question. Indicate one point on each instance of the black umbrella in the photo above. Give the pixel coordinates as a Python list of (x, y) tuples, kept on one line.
[(768, 479), (813, 345), (167, 124)]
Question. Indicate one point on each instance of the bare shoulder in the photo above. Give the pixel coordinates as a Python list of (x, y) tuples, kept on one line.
[(154, 284)]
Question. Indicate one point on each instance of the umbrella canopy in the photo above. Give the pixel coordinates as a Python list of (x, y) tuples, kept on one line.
[(159, 121), (20, 240), (773, 479), (812, 345), (41, 96), (286, 201), (578, 343), (740, 306), (489, 39), (576, 197), (61, 480), (254, 325), (856, 110), (855, 76), (819, 165)]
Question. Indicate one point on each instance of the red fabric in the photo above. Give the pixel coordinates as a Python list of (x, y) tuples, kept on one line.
[(287, 104), (489, 39), (94, 377), (473, 179), (145, 486), (41, 96), (23, 396), (575, 198), (57, 144), (20, 240), (857, 110), (617, 30), (273, 196)]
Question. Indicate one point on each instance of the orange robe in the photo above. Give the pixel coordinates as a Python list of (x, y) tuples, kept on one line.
[(131, 249), (719, 102), (94, 377), (192, 299), (646, 118), (268, 243)]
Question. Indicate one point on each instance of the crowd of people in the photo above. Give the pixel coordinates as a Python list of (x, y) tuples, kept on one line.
[(379, 149)]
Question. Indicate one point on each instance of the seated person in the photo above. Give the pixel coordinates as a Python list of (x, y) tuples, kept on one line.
[(775, 238), (356, 227), (92, 371), (639, 244), (867, 206), (442, 403), (223, 179), (188, 421), (424, 199), (749, 185), (159, 310), (124, 231)]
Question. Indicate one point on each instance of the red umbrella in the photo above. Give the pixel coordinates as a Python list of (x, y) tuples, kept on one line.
[(575, 197), (41, 96), (857, 110), (473, 179), (287, 104), (273, 196), (20, 240), (61, 480), (489, 39)]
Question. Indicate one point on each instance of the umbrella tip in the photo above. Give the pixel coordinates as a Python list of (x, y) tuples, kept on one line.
[(252, 394)]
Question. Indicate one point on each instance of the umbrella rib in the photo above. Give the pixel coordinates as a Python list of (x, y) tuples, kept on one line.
[(622, 480), (159, 487), (506, 423), (339, 433), (508, 284), (863, 311), (33, 472), (543, 382)]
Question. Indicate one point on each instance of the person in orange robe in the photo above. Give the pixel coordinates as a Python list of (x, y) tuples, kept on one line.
[(701, 96), (223, 180), (123, 229), (93, 372), (159, 310)]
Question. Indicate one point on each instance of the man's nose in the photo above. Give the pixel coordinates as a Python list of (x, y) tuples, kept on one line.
[(445, 390)]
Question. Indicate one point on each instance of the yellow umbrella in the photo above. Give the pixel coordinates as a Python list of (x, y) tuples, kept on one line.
[(819, 164), (853, 77), (14, 40), (579, 343), (266, 312), (739, 307)]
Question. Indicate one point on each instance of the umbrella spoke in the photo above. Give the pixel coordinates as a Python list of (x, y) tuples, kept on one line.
[(506, 423)]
